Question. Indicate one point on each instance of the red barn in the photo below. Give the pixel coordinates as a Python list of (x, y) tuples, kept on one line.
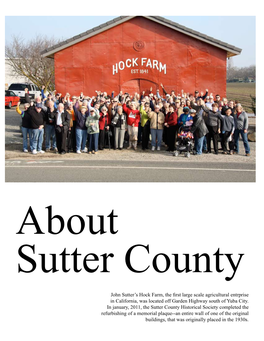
[(134, 53)]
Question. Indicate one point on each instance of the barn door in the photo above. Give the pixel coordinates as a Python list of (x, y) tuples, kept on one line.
[(145, 85), (139, 85), (131, 87)]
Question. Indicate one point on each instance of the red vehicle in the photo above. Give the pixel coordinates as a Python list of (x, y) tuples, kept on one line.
[(11, 99)]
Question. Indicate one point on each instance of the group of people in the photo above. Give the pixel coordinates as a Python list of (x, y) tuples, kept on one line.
[(88, 124)]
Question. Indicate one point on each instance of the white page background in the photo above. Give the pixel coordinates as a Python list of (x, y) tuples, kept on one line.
[(68, 305), (172, 218)]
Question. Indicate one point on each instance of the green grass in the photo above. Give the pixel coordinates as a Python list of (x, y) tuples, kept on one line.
[(241, 92)]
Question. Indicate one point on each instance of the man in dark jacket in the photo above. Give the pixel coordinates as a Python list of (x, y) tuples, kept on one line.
[(199, 129), (37, 117), (49, 127), (61, 122)]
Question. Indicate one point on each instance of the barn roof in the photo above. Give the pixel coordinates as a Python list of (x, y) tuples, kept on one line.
[(230, 49)]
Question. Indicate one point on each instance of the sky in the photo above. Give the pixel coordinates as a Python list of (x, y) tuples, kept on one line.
[(239, 31)]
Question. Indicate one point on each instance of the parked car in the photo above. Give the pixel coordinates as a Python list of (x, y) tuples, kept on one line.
[(19, 90), (11, 99)]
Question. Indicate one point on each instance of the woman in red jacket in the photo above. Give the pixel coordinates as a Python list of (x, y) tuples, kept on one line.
[(103, 126), (171, 126), (133, 118)]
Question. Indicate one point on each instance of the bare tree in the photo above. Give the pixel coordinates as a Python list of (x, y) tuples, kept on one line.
[(26, 60), (243, 73)]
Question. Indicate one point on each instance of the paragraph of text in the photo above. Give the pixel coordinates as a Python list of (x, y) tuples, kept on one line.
[(180, 307)]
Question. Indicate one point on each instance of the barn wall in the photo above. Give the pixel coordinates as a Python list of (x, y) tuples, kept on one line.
[(190, 64)]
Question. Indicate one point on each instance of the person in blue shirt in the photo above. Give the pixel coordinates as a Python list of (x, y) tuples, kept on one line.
[(42, 92), (185, 119)]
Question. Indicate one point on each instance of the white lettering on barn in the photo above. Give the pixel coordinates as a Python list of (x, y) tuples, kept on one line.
[(144, 62)]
